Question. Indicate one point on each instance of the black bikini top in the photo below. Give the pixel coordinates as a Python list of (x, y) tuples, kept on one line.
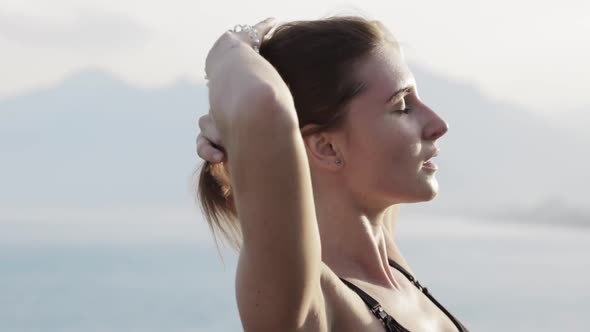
[(391, 325)]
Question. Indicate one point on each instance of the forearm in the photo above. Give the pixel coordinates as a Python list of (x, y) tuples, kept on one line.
[(248, 88), (271, 185), (263, 137)]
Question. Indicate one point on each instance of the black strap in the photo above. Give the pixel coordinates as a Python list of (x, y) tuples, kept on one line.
[(369, 301), (427, 293), (408, 275), (388, 321), (455, 321)]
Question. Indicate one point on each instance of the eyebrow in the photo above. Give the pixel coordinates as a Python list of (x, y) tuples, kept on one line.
[(398, 93)]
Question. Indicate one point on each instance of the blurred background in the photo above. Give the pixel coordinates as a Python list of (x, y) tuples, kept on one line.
[(99, 101)]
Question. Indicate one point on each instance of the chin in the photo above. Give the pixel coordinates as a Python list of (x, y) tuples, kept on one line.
[(426, 195), (423, 193), (423, 196), (431, 197), (431, 190), (432, 193)]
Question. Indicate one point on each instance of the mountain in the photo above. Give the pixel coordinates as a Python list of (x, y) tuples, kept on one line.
[(95, 141), (497, 156), (575, 120)]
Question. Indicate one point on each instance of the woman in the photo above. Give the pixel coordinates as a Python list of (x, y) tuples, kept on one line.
[(313, 143)]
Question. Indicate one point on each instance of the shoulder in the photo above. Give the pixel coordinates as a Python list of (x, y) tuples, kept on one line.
[(344, 309)]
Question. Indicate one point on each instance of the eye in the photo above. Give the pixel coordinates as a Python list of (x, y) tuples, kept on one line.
[(404, 103), (406, 110)]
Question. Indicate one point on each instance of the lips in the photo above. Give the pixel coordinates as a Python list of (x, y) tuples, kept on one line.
[(430, 165), (432, 155)]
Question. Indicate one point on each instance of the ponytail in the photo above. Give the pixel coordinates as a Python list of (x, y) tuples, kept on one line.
[(217, 203)]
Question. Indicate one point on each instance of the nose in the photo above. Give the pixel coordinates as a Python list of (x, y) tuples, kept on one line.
[(439, 131), (435, 126)]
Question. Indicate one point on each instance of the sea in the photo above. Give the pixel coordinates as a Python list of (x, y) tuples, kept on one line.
[(493, 275)]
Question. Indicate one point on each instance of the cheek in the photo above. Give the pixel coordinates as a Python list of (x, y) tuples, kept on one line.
[(401, 149), (406, 152), (392, 158), (384, 144)]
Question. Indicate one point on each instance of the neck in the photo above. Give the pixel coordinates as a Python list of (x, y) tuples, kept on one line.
[(357, 242)]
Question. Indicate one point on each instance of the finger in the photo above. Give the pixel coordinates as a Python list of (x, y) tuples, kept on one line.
[(263, 27), (211, 134), (207, 152), (209, 130), (204, 148)]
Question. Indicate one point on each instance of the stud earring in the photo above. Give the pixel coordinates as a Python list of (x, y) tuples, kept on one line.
[(338, 162)]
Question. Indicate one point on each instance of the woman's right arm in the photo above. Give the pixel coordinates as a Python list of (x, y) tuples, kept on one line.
[(278, 275)]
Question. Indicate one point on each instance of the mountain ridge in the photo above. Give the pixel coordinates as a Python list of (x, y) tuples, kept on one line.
[(102, 141)]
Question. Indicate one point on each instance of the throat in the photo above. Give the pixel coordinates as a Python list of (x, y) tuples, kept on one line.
[(373, 270)]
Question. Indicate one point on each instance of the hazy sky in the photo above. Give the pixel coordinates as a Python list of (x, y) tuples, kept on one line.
[(532, 53)]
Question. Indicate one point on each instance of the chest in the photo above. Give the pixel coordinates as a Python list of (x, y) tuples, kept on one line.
[(411, 308)]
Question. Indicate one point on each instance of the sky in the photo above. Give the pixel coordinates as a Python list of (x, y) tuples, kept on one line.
[(526, 53), (529, 53)]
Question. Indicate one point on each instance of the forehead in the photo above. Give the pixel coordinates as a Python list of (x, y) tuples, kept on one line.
[(385, 72)]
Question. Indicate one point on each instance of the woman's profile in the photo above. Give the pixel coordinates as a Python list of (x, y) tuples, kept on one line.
[(310, 146)]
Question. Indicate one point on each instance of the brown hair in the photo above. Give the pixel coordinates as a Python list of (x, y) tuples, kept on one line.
[(316, 59)]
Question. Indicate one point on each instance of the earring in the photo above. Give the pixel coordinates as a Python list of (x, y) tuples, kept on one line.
[(338, 162)]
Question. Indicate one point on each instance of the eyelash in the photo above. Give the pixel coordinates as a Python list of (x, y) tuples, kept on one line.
[(405, 110)]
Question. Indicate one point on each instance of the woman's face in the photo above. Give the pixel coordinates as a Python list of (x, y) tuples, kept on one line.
[(384, 149)]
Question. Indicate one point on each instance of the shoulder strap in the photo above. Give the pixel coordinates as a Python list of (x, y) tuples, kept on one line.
[(408, 275), (369, 301), (389, 322), (427, 293)]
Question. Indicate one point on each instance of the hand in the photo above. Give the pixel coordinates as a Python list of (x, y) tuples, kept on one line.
[(209, 146), (241, 79), (230, 40)]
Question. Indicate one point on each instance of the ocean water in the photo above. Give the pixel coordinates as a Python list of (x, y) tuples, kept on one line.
[(492, 276)]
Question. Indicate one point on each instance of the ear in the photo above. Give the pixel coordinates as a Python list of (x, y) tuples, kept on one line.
[(321, 147)]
